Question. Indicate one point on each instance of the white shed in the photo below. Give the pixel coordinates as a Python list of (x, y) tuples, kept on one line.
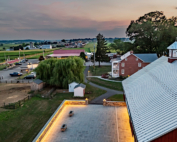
[(71, 86), (79, 90)]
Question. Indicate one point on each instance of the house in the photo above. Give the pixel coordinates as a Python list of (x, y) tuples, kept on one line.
[(71, 86), (29, 47), (130, 63), (65, 53), (37, 85), (79, 90), (150, 95), (46, 46)]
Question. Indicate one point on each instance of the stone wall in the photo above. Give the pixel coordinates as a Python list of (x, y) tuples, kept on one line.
[(49, 123), (113, 103)]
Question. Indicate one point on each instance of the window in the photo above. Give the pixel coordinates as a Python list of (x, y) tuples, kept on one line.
[(122, 71), (123, 64), (136, 59), (125, 59), (139, 64)]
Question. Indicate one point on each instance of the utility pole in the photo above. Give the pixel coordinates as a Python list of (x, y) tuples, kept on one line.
[(43, 53), (94, 55), (5, 60)]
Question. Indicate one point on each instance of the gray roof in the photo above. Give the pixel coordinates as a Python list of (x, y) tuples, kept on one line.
[(148, 58), (151, 99), (80, 85), (173, 46), (37, 81)]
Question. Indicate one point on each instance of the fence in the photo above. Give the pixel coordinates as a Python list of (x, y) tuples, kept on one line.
[(16, 81), (17, 104)]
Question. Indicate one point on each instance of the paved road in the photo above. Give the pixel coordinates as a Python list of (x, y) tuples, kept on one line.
[(5, 73), (109, 93), (97, 63)]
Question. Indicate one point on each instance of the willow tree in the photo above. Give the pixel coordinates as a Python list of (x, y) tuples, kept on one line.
[(61, 72)]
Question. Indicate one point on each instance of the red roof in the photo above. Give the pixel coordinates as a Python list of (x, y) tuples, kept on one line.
[(12, 61), (68, 51)]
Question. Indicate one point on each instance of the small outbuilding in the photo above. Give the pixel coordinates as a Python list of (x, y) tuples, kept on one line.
[(79, 90), (71, 86), (37, 85)]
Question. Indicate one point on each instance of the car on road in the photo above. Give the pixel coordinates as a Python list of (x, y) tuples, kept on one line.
[(16, 74), (23, 61), (29, 77), (33, 73), (18, 64)]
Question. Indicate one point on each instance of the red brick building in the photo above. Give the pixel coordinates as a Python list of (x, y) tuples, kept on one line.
[(131, 63)]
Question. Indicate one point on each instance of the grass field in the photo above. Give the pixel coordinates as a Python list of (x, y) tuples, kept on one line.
[(86, 49), (2, 67), (15, 54), (7, 46), (107, 84), (23, 124), (99, 70), (37, 56), (117, 97)]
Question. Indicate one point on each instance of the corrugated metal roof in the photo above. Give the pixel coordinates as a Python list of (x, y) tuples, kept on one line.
[(38, 81), (152, 99), (173, 46), (80, 85), (148, 58)]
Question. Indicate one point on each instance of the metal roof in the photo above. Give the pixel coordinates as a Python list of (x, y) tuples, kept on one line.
[(38, 81), (73, 82), (148, 58), (152, 99), (173, 45), (80, 85)]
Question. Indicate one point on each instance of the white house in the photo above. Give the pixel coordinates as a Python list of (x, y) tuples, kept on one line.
[(29, 47), (79, 90), (46, 47), (71, 86)]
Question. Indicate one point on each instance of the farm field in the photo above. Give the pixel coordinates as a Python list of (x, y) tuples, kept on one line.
[(15, 54), (7, 46), (23, 124)]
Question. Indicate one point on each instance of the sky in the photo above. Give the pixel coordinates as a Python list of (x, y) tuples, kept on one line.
[(68, 19)]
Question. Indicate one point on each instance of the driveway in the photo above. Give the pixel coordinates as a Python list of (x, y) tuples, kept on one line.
[(109, 93)]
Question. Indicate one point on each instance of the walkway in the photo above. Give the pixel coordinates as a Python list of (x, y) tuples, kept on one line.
[(104, 78), (109, 93)]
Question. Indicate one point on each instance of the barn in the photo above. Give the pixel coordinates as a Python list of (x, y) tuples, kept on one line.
[(71, 86), (151, 98), (79, 90)]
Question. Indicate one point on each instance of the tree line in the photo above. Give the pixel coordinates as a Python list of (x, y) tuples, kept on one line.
[(151, 33)]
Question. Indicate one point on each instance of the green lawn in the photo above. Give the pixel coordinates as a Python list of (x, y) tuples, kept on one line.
[(107, 84), (24, 123), (117, 97), (99, 70), (2, 67), (86, 49), (37, 56)]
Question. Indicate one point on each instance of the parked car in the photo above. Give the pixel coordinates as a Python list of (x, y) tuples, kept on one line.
[(18, 64), (33, 73), (26, 60), (23, 61), (29, 77), (16, 74)]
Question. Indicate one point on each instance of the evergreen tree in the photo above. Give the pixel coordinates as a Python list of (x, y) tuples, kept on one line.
[(101, 48)]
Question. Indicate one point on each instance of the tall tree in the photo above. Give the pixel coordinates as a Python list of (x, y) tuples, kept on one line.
[(152, 32), (101, 48)]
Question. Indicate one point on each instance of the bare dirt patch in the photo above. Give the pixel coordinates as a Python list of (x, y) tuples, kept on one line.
[(10, 93)]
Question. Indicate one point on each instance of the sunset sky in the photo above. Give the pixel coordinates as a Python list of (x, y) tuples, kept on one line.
[(58, 19)]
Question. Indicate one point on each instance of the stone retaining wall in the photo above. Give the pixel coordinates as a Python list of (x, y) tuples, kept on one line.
[(52, 119), (113, 103)]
